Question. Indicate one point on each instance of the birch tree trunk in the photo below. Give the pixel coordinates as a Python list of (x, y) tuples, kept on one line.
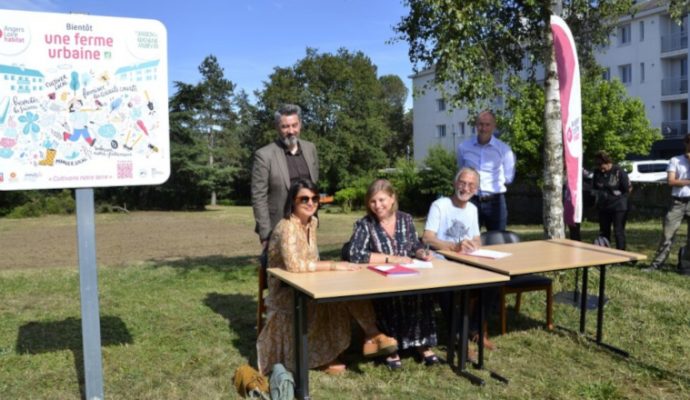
[(554, 225)]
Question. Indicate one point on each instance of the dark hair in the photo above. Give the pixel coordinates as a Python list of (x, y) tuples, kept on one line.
[(292, 194), (601, 157), (687, 139), (380, 185), (285, 110)]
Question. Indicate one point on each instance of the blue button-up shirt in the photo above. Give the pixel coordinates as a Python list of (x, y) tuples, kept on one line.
[(494, 161)]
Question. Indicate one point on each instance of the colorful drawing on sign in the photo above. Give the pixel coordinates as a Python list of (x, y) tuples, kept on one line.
[(80, 115)]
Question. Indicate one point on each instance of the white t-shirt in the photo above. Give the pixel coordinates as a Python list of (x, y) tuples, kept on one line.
[(681, 166), (452, 223)]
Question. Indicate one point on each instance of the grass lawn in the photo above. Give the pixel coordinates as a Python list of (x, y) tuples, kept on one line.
[(178, 327)]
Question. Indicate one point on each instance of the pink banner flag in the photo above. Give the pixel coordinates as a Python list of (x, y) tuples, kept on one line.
[(571, 116)]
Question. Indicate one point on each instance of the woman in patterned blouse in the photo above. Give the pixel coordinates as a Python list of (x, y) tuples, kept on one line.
[(388, 236), (292, 246)]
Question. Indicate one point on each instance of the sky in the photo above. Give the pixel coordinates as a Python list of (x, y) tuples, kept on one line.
[(252, 37)]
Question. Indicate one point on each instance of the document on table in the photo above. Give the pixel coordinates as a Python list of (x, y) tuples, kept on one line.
[(419, 264), (489, 253)]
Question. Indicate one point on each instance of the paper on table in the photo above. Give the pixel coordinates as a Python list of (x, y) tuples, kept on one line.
[(489, 253), (393, 270), (419, 264)]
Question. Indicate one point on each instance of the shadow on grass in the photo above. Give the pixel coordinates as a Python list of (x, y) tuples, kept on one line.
[(240, 312), (49, 336), (659, 373), (216, 263)]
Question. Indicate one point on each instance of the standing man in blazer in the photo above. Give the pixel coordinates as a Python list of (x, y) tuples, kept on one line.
[(276, 166)]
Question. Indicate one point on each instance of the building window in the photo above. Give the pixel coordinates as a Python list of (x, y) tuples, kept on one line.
[(441, 104), (624, 34), (641, 72), (625, 73), (641, 31), (462, 128), (606, 75), (440, 131)]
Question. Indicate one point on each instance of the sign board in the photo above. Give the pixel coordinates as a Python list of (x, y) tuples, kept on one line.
[(83, 101)]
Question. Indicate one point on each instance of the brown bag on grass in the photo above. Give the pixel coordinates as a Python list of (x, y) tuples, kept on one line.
[(250, 383)]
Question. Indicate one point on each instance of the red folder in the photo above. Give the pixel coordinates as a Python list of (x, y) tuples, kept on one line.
[(393, 270)]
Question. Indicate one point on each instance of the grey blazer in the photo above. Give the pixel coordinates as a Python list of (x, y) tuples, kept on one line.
[(271, 182)]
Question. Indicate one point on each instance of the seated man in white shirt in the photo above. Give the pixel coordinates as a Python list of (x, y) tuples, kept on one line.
[(453, 224)]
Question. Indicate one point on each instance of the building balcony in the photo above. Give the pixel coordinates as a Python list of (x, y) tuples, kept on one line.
[(677, 41), (677, 85), (674, 129)]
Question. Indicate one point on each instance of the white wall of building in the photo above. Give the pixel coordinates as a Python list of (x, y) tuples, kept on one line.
[(648, 51)]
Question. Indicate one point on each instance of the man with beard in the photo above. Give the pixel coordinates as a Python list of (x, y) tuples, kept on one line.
[(276, 166), (453, 224)]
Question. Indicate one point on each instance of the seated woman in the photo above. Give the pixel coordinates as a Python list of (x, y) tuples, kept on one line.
[(386, 235), (292, 246)]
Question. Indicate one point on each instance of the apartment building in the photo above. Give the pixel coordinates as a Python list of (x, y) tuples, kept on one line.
[(648, 53)]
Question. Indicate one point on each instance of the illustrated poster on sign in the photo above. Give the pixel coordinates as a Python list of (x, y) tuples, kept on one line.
[(83, 101)]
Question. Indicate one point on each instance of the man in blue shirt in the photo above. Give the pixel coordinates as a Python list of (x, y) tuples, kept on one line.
[(495, 162)]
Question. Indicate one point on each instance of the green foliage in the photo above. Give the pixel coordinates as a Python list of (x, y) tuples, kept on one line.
[(470, 43), (351, 197), (611, 121), (45, 202), (437, 176), (406, 182)]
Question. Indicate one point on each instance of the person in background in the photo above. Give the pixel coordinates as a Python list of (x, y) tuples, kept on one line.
[(611, 186), (293, 247), (388, 236), (495, 162), (679, 179)]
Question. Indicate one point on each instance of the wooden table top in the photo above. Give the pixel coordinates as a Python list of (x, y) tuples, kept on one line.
[(444, 274), (546, 255)]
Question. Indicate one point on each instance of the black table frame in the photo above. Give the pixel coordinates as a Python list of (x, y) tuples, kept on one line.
[(301, 329)]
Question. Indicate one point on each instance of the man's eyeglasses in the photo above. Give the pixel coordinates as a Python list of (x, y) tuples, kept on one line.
[(305, 199), (468, 185)]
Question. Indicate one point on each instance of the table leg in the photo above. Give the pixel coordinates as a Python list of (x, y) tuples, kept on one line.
[(301, 349), (453, 331), (462, 368), (600, 315), (480, 340), (583, 300)]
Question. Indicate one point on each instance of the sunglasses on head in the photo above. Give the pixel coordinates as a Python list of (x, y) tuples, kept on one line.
[(305, 199)]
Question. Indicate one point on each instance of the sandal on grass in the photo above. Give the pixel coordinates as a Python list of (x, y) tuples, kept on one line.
[(334, 367), (429, 358), (394, 363), (379, 345)]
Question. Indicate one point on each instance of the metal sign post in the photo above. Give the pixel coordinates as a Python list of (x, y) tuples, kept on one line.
[(88, 287)]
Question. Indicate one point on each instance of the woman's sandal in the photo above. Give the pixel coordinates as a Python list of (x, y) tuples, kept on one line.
[(334, 367), (431, 360), (428, 358), (379, 345), (394, 364)]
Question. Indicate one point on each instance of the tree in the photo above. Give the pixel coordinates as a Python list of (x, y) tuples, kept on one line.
[(474, 45), (344, 111), (394, 95), (611, 121), (216, 120)]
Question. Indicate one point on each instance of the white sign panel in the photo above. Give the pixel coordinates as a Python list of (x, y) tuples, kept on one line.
[(83, 101)]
